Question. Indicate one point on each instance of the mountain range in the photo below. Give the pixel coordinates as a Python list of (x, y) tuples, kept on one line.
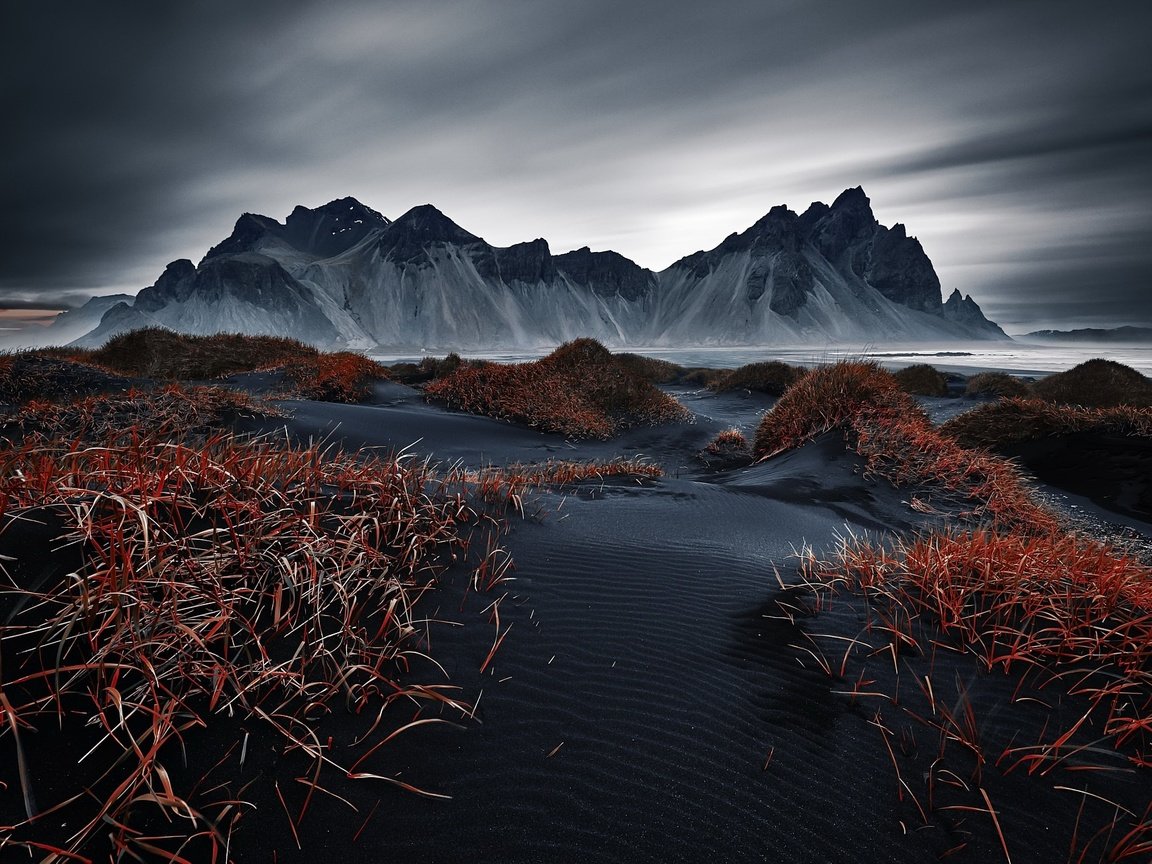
[(343, 275)]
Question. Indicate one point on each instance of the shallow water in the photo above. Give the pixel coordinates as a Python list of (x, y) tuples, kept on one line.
[(1020, 358)]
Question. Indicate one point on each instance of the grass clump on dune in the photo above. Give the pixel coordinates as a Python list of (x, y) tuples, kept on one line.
[(771, 377), (154, 352), (1096, 384), (888, 428), (157, 353), (922, 379), (580, 390), (1015, 421), (985, 384), (729, 443)]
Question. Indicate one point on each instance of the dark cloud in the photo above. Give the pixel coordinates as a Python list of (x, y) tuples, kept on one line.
[(1012, 137)]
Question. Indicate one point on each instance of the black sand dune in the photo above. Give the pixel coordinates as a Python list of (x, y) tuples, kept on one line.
[(652, 703)]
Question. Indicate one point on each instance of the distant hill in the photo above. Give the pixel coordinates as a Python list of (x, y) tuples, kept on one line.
[(1139, 335), (345, 275)]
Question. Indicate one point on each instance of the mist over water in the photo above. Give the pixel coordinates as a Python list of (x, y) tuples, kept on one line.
[(1016, 357)]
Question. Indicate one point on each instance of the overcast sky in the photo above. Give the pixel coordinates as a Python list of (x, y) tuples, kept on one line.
[(1013, 138)]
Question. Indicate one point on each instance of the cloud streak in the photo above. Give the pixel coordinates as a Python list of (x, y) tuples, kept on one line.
[(1012, 138)]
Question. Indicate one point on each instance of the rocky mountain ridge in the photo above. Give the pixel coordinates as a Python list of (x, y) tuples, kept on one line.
[(343, 275)]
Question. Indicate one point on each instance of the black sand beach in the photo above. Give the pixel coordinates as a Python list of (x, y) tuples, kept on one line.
[(659, 693)]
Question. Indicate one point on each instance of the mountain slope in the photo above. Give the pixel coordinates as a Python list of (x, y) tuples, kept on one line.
[(344, 275)]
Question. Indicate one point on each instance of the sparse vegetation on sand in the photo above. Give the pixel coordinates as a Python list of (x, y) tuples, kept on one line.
[(1096, 384), (580, 390), (1066, 622), (771, 377), (1013, 588), (996, 384), (922, 379)]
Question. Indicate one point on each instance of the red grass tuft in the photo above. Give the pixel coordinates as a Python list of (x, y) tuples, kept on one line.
[(218, 577), (729, 442), (579, 390), (341, 377)]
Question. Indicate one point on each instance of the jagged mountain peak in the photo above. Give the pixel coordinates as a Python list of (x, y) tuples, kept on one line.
[(410, 237), (430, 223), (331, 228), (852, 199), (347, 204), (178, 269), (249, 230)]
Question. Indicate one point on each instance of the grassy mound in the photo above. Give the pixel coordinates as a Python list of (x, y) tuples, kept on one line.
[(991, 384), (1066, 621), (428, 369), (828, 397), (889, 429), (771, 377), (650, 368), (1014, 421), (154, 352), (581, 390), (1097, 384), (703, 376), (922, 379)]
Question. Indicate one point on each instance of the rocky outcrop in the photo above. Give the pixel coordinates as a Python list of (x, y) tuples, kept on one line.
[(964, 311), (607, 274)]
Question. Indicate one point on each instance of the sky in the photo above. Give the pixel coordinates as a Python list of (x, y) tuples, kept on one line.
[(1014, 139)]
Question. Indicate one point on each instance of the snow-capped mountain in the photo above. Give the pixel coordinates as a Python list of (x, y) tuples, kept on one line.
[(344, 275)]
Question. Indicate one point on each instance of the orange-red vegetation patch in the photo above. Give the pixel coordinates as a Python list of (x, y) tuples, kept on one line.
[(155, 352), (340, 377), (1014, 421), (219, 578), (729, 442), (579, 390), (890, 430), (1066, 613), (1069, 618), (172, 410)]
